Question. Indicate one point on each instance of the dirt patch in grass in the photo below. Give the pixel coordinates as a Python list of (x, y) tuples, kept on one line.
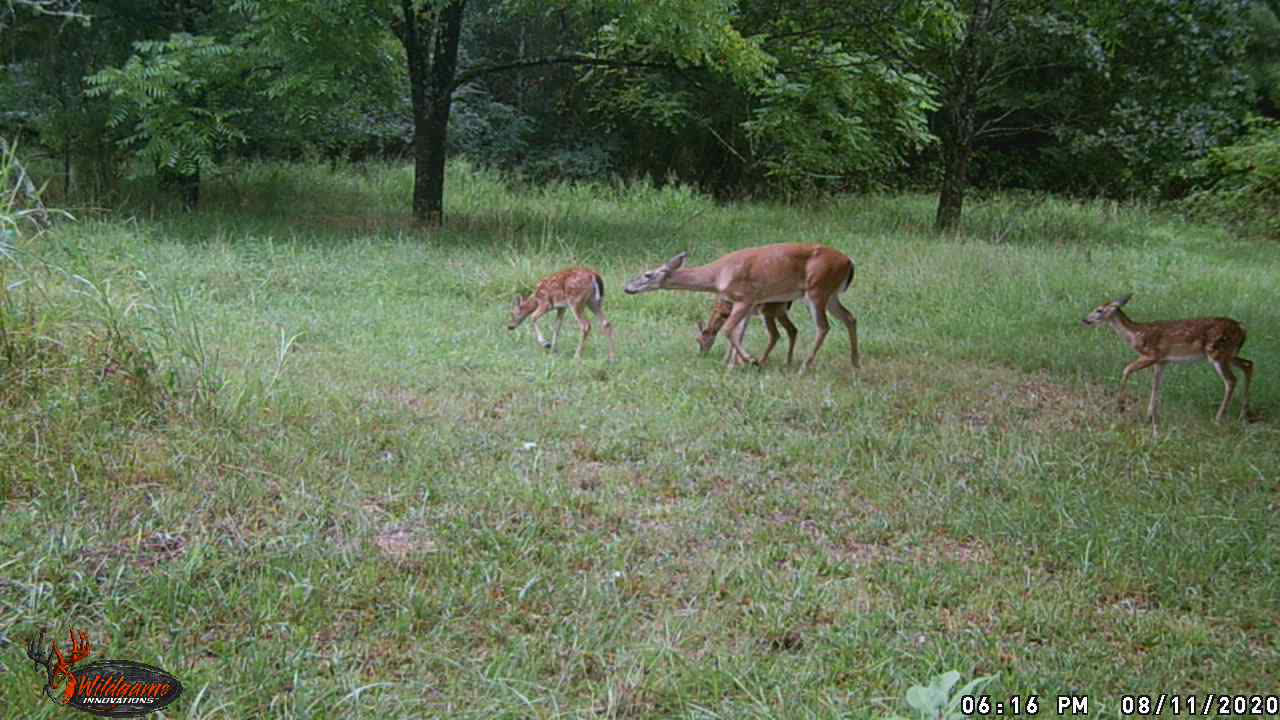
[(936, 550), (400, 397), (1006, 400), (402, 543), (154, 550), (373, 224)]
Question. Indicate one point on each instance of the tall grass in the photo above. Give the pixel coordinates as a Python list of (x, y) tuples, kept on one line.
[(362, 497)]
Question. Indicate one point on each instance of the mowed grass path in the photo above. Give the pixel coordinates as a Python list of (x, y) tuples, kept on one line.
[(391, 506)]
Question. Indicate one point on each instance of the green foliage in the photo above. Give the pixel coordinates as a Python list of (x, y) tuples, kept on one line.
[(9, 211), (1263, 55), (1239, 184), (851, 116), (172, 96), (935, 701), (329, 75), (1168, 90), (811, 109)]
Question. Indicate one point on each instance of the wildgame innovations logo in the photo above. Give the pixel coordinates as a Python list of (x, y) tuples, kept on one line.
[(109, 688)]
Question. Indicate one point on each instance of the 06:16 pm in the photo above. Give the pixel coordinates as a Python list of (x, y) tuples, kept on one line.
[(1012, 705)]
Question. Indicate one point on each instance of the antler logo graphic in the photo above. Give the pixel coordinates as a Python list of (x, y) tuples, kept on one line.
[(59, 665)]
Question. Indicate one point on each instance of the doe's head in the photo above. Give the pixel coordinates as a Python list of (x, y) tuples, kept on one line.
[(1104, 312), (654, 279)]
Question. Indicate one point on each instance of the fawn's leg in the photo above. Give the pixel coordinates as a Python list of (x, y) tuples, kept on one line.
[(1131, 368), (533, 322), (555, 335), (584, 325), (1223, 366), (1247, 367), (1154, 406), (597, 307)]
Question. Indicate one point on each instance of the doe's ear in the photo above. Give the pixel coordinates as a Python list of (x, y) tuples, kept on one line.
[(676, 261)]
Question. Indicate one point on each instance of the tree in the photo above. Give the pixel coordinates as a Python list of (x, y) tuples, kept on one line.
[(184, 102), (1113, 97), (1262, 62), (62, 9), (430, 35), (1167, 89), (166, 99), (695, 33), (967, 73), (835, 108)]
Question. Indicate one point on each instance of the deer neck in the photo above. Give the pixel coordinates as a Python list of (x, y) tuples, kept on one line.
[(1127, 329), (698, 279)]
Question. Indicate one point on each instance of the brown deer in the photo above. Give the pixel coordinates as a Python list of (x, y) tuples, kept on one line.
[(57, 665), (1217, 339), (573, 288), (768, 274), (773, 313)]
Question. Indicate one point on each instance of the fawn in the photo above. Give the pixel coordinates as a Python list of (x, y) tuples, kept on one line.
[(773, 313), (571, 288), (1217, 339)]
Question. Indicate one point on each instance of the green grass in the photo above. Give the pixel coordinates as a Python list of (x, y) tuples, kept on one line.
[(286, 449)]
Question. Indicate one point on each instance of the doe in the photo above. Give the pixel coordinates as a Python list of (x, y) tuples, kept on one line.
[(769, 274), (573, 288), (1217, 339)]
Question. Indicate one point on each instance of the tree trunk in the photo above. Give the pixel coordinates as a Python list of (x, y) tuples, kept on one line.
[(956, 150), (431, 41), (959, 116)]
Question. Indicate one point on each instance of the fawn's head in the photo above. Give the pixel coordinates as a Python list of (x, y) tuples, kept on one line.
[(706, 337), (654, 279), (1104, 312), (707, 333), (521, 308)]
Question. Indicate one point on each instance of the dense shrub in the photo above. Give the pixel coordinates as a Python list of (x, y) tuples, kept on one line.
[(1240, 183)]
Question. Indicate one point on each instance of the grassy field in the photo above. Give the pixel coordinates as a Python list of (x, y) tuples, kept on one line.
[(287, 450)]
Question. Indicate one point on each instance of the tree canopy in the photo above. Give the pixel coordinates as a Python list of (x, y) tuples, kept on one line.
[(732, 96)]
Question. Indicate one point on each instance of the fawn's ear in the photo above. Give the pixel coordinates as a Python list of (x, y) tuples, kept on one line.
[(1124, 300)]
